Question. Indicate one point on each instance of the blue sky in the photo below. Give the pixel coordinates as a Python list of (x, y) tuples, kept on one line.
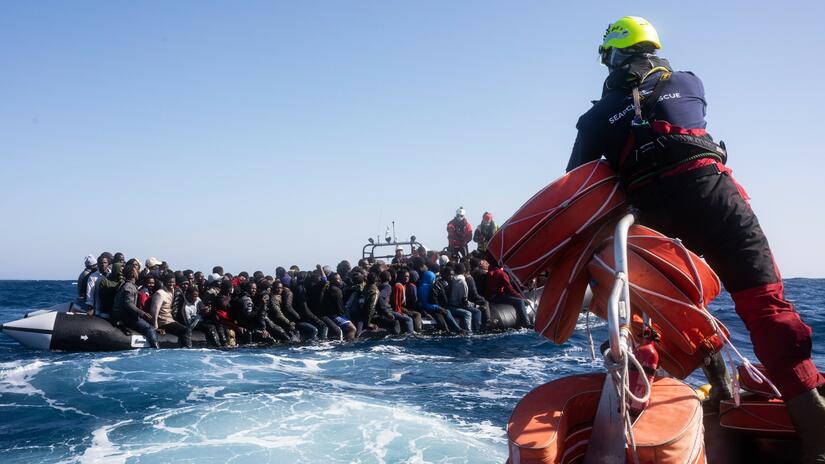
[(257, 134)]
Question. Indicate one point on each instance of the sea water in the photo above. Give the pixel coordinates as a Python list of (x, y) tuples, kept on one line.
[(407, 400)]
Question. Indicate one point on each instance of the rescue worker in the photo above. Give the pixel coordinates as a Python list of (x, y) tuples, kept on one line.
[(650, 126), (484, 232), (459, 234)]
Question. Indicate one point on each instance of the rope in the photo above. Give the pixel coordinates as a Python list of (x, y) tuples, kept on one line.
[(621, 379), (590, 343)]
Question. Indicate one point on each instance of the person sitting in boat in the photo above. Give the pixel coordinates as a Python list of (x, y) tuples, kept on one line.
[(200, 281), (221, 305), (240, 279), (281, 274), (126, 311), (366, 294), (441, 295), (106, 289), (194, 314), (146, 291), (300, 315), (257, 319), (333, 307), (276, 323), (103, 263), (650, 126), (300, 303), (178, 295), (479, 274), (484, 232), (428, 304), (163, 319), (399, 257), (459, 234), (473, 294), (499, 289), (152, 267), (385, 308), (399, 299), (90, 266), (411, 290), (458, 296), (282, 296)]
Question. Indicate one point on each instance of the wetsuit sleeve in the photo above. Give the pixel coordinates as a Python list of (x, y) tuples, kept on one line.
[(585, 148)]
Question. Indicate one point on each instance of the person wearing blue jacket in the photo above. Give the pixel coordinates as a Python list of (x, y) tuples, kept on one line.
[(426, 303), (650, 127)]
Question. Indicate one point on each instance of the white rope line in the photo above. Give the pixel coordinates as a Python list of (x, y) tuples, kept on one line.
[(601, 208), (582, 189), (621, 380), (546, 255), (590, 343), (586, 224)]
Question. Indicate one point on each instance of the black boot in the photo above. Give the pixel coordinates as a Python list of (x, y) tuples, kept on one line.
[(718, 378), (807, 413)]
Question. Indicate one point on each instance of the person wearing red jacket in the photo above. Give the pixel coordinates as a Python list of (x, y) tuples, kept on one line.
[(459, 234), (499, 289)]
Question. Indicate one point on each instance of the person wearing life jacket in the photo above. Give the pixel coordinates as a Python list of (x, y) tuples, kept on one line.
[(485, 231), (650, 126), (459, 234)]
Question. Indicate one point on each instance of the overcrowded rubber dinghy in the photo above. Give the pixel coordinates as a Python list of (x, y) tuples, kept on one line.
[(58, 328), (654, 294)]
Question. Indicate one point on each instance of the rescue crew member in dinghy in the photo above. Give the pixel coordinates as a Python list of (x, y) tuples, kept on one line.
[(650, 126)]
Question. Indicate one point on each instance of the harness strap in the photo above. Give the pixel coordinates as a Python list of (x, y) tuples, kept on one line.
[(637, 106), (654, 153)]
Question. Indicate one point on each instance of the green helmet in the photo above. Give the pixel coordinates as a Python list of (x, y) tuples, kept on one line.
[(623, 34)]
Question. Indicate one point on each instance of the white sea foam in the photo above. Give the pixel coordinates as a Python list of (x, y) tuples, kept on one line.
[(316, 427), (16, 377), (98, 372)]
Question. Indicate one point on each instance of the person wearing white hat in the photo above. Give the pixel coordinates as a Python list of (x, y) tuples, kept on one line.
[(90, 264), (399, 257), (459, 234)]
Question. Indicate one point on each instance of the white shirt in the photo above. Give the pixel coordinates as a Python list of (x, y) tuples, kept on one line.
[(91, 286), (191, 310)]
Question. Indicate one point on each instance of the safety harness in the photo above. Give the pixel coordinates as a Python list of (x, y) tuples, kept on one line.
[(653, 152)]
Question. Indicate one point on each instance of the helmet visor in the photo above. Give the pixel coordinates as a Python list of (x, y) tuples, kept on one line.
[(614, 57)]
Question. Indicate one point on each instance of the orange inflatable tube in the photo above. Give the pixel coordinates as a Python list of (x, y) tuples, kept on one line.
[(672, 286), (552, 423), (563, 294), (556, 216)]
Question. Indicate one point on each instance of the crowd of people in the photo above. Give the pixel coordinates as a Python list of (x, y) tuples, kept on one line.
[(451, 290)]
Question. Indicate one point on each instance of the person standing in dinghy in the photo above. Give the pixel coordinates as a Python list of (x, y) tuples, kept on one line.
[(650, 126)]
